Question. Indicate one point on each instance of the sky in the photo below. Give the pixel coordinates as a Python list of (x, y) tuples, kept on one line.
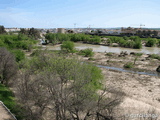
[(79, 13)]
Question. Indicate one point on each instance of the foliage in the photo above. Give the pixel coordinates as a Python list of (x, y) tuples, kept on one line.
[(7, 97), (68, 46), (32, 32), (88, 52), (2, 30), (68, 86), (19, 55), (138, 54), (151, 42), (128, 65), (137, 44), (155, 56), (109, 54), (16, 41), (91, 59)]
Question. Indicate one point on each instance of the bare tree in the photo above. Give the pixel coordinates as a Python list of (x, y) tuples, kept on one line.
[(8, 67), (67, 88)]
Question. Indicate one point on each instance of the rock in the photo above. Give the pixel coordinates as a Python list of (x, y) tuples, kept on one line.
[(158, 69), (143, 60), (132, 53), (149, 90), (147, 58), (123, 54)]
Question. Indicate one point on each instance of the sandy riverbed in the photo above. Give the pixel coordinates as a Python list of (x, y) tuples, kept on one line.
[(142, 91)]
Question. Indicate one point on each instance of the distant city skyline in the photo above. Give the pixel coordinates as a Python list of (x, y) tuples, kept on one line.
[(79, 13)]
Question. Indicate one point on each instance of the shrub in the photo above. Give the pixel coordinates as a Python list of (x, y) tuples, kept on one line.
[(137, 45), (155, 56), (151, 42), (138, 54), (128, 65), (19, 55), (68, 46), (7, 97), (109, 54), (87, 52), (91, 59)]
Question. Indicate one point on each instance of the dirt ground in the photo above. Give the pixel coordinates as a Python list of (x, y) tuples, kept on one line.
[(142, 91)]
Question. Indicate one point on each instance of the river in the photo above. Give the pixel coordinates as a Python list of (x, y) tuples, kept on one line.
[(101, 48)]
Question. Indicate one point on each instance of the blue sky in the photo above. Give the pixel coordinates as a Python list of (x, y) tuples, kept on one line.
[(64, 13)]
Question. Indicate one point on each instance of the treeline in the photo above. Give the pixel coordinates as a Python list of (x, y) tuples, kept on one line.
[(32, 33), (59, 38), (17, 43), (147, 33), (132, 42), (128, 42)]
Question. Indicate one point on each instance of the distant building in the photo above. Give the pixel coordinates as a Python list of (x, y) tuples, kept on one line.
[(128, 31), (61, 30)]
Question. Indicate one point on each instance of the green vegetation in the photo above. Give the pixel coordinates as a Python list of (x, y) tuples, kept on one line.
[(155, 56), (2, 30), (92, 59), (68, 46), (32, 33), (128, 42), (109, 54), (138, 54), (128, 65), (7, 97), (88, 52), (16, 43), (67, 84), (19, 55), (151, 42)]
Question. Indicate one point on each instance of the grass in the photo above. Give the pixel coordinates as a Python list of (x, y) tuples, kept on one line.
[(128, 65), (92, 59), (155, 56), (109, 54), (138, 54), (7, 97)]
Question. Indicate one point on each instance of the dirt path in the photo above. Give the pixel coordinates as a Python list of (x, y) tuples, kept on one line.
[(4, 115)]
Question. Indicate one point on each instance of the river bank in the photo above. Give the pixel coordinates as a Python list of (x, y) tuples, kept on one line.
[(142, 91)]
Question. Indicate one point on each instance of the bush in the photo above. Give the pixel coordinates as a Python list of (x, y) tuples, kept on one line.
[(128, 65), (138, 54), (137, 45), (68, 46), (109, 54), (87, 52), (151, 42), (19, 55), (155, 56), (91, 59), (7, 97)]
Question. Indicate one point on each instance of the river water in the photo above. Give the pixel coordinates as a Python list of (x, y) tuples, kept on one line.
[(100, 48)]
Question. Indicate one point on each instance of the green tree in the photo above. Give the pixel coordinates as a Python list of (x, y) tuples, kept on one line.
[(151, 42), (2, 30), (68, 86), (68, 46), (19, 55)]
